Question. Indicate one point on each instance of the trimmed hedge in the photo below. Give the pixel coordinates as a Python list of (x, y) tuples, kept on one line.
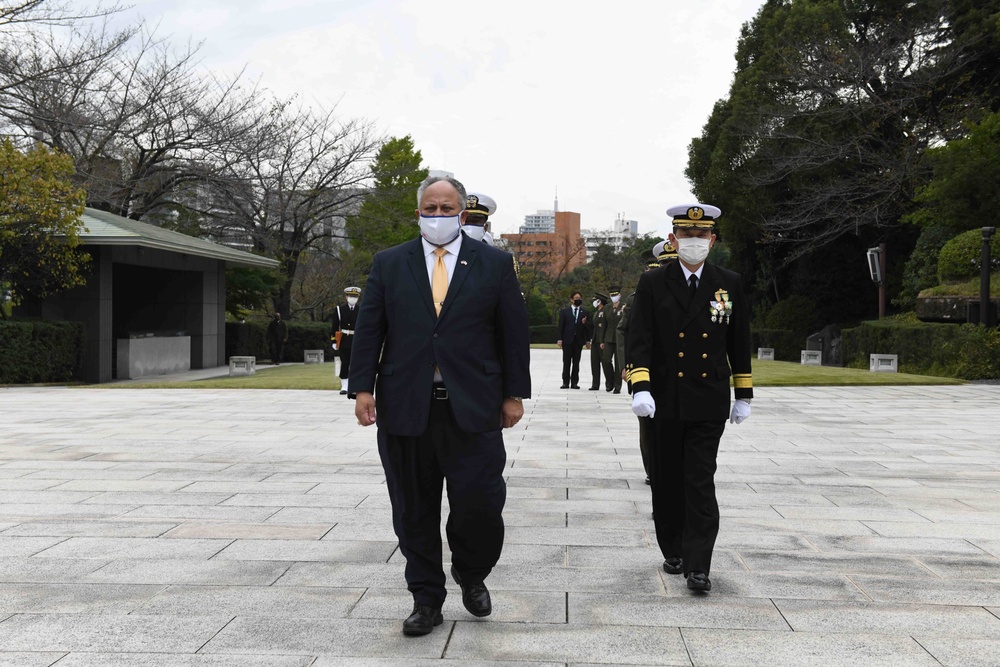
[(543, 333), (250, 339), (37, 351), (966, 351), (961, 257), (788, 345)]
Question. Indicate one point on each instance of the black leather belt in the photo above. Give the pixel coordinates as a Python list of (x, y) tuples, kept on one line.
[(440, 392)]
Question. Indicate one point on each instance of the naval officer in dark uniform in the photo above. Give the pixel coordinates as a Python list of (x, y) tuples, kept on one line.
[(689, 334), (344, 318)]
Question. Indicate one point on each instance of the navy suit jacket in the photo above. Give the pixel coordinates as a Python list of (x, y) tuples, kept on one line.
[(480, 341), (570, 331)]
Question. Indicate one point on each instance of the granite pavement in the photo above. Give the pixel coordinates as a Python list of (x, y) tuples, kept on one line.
[(251, 528)]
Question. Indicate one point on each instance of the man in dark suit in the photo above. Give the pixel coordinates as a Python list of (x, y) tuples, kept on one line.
[(689, 333), (574, 329), (442, 344), (342, 332)]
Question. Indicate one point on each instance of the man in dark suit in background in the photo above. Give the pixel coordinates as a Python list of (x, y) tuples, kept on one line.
[(689, 332), (574, 332), (442, 344)]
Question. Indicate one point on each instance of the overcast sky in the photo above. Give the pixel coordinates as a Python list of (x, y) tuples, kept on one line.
[(517, 98)]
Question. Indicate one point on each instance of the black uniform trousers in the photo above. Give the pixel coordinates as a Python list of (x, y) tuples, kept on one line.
[(344, 349), (685, 510), (571, 352), (416, 467), (612, 367)]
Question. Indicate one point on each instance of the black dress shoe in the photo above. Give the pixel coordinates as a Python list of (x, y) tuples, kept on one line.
[(608, 389), (673, 565), (617, 391), (475, 595), (575, 386), (565, 386), (594, 388), (698, 581), (422, 620)]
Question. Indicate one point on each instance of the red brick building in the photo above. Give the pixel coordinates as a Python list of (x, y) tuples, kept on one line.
[(555, 253)]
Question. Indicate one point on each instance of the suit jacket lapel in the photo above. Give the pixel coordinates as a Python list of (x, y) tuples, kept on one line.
[(679, 288), (418, 267), (467, 255)]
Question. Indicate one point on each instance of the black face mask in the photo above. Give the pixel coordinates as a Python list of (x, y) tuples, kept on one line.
[(578, 302)]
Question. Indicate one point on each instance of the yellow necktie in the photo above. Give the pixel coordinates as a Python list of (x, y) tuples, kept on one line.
[(439, 280)]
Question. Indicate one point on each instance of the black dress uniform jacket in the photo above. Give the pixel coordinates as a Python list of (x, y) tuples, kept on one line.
[(679, 355), (480, 341)]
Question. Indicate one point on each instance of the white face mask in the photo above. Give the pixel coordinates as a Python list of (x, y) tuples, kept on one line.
[(440, 230), (693, 250), (615, 298), (596, 303), (351, 300), (474, 232)]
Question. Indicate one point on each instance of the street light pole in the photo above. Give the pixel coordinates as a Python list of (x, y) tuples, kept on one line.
[(985, 312)]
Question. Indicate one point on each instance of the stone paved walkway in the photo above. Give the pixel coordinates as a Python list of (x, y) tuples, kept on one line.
[(214, 528)]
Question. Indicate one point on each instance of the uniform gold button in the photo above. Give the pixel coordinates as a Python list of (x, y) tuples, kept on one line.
[(680, 335), (680, 375), (680, 354), (704, 356), (704, 375), (704, 335)]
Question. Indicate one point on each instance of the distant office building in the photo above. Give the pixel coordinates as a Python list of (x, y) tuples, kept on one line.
[(555, 252), (541, 222), (624, 232)]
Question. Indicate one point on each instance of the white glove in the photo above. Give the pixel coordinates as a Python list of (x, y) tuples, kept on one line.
[(741, 411), (643, 404), (335, 346)]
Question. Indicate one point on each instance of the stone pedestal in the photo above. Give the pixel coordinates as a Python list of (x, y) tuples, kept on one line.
[(315, 356), (242, 366), (153, 355)]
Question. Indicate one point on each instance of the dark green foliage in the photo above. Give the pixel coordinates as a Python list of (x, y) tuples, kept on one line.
[(538, 311), (544, 333), (249, 289), (787, 345), (920, 271), (797, 314), (250, 339), (961, 257), (966, 351), (36, 351)]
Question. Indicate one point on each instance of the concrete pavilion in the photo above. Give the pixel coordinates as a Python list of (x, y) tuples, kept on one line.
[(154, 301)]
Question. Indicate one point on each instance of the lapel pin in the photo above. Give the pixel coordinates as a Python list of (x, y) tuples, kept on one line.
[(464, 263)]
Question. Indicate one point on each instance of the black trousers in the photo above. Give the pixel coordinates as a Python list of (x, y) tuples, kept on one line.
[(345, 355), (572, 351), (646, 437), (686, 512), (276, 349), (415, 469)]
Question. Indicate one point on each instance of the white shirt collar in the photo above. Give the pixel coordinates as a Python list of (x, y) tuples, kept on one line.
[(452, 247), (688, 273)]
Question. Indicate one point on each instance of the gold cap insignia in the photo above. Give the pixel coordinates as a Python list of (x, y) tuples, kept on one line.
[(695, 213)]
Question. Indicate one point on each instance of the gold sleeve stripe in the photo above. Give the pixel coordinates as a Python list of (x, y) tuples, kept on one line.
[(743, 380), (638, 375)]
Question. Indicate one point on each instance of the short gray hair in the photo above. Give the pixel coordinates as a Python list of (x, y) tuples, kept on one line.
[(431, 180)]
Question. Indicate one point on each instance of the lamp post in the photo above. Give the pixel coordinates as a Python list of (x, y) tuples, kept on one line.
[(985, 312)]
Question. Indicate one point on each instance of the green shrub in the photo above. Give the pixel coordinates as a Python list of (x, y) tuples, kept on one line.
[(960, 258), (921, 268), (250, 339), (966, 351), (796, 313), (36, 351), (543, 333), (788, 345)]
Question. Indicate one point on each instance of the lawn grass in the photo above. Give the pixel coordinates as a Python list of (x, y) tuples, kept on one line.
[(765, 374)]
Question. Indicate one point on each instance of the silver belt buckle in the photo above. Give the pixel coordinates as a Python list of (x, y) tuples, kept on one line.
[(440, 393)]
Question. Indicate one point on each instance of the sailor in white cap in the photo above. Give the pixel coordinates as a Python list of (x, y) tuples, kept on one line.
[(477, 223), (688, 336), (345, 316)]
